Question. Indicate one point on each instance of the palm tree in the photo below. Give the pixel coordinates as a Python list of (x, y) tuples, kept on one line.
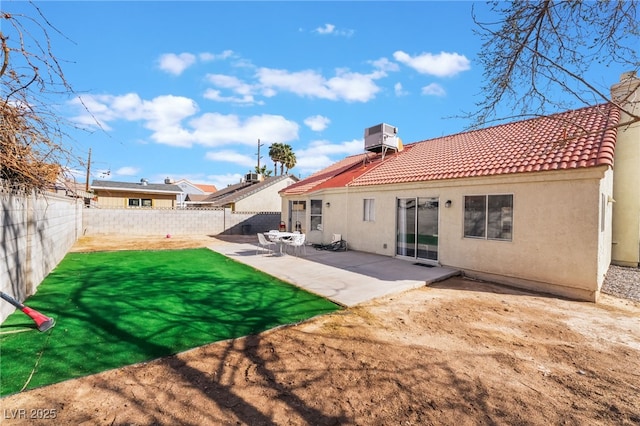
[(275, 153), (263, 171), (290, 159), (284, 154)]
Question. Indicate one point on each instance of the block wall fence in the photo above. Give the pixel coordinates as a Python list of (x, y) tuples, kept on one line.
[(176, 222), (37, 231)]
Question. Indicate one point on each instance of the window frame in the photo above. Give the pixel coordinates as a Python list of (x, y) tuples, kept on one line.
[(368, 209), (493, 216), (143, 203), (315, 215)]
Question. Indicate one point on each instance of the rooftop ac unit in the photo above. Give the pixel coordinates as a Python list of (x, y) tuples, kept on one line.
[(381, 137), (252, 177)]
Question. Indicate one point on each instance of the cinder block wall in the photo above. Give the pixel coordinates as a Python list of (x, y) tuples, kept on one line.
[(176, 222), (37, 232)]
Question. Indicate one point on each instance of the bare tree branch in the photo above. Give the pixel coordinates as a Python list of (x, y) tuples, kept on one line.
[(34, 147), (540, 51)]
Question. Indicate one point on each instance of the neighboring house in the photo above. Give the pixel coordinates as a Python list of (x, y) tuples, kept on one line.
[(111, 194), (533, 204), (192, 192), (255, 193)]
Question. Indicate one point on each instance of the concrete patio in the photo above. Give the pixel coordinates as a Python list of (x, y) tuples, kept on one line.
[(347, 278)]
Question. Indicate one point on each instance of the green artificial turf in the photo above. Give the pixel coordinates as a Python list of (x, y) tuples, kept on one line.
[(119, 308)]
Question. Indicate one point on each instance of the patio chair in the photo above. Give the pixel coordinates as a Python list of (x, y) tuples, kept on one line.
[(264, 245), (297, 243)]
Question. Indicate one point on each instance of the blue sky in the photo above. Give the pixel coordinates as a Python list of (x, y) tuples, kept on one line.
[(186, 89)]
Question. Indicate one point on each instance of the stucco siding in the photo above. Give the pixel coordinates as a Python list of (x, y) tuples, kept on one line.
[(557, 245), (266, 199), (626, 192)]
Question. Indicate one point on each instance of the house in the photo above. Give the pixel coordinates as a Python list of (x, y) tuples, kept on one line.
[(112, 194), (255, 193), (533, 204), (192, 192)]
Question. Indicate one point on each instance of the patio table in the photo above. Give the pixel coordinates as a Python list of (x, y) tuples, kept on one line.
[(279, 237)]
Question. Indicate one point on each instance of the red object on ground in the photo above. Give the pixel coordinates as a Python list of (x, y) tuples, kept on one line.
[(42, 321)]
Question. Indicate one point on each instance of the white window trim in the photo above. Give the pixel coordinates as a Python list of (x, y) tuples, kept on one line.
[(369, 210)]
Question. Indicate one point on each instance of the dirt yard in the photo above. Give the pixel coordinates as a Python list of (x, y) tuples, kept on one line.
[(456, 353)]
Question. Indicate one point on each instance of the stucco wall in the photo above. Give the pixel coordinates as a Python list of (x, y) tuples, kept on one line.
[(626, 187), (37, 232), (267, 199), (557, 247)]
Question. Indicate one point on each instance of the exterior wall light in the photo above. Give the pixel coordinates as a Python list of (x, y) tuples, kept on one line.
[(328, 205), (447, 204)]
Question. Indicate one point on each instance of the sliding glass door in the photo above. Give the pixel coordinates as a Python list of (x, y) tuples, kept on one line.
[(417, 228)]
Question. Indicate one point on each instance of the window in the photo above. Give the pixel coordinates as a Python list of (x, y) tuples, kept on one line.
[(369, 212), (316, 215), (140, 202), (298, 206), (488, 216)]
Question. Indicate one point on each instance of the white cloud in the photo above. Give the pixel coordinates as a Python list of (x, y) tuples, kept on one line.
[(161, 114), (222, 181), (127, 171), (176, 64), (347, 86), (317, 123), (165, 116), (228, 156), (230, 82), (303, 83), (346, 148), (215, 95), (399, 90), (321, 153), (213, 129), (433, 89), (353, 87), (384, 64), (326, 29), (443, 64), (331, 30), (246, 91), (207, 57)]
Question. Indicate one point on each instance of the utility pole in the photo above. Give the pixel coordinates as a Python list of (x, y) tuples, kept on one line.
[(86, 185), (259, 145)]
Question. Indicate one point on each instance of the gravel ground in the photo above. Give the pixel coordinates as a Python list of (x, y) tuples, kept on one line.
[(622, 282)]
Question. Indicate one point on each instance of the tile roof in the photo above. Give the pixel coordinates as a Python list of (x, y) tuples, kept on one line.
[(324, 175), (571, 140), (206, 188)]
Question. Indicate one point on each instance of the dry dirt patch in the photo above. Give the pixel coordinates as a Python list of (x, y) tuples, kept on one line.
[(142, 242), (457, 352)]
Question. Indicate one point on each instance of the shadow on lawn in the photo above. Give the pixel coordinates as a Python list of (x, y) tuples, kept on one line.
[(217, 304), (125, 308)]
